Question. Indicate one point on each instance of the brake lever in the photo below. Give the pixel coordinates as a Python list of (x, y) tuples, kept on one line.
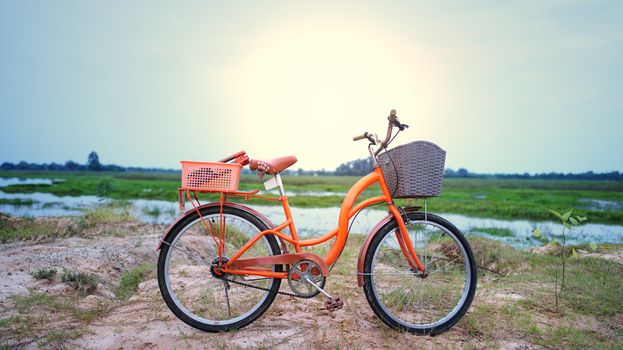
[(397, 124), (373, 138)]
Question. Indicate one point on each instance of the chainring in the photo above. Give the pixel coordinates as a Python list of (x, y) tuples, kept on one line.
[(296, 278)]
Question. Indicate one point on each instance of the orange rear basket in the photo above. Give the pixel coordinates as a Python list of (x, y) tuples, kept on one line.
[(210, 176)]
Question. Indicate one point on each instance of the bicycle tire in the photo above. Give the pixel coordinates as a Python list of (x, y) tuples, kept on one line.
[(172, 293), (393, 306)]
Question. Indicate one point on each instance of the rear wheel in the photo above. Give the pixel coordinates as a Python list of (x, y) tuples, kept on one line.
[(186, 277), (405, 299)]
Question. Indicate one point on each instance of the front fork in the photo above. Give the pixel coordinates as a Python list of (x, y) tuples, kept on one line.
[(402, 235)]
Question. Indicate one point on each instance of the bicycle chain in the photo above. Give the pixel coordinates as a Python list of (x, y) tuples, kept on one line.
[(265, 289)]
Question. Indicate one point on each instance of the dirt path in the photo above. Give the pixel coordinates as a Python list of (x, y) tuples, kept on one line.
[(144, 321)]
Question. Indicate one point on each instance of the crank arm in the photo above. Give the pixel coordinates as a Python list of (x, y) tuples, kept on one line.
[(317, 287)]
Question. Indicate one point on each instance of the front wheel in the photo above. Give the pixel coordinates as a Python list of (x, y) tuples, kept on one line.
[(420, 303)]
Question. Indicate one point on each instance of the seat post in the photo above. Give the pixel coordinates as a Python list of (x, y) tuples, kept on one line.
[(282, 191)]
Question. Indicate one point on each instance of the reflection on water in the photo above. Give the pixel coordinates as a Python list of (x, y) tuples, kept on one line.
[(308, 193), (154, 211), (18, 181), (318, 221), (46, 204), (600, 204), (313, 222)]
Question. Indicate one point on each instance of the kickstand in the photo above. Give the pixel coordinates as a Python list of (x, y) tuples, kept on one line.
[(226, 286)]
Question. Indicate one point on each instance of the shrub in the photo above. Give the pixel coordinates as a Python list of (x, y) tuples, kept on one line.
[(47, 273), (84, 282), (130, 280)]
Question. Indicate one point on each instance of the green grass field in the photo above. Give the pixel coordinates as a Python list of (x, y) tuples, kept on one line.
[(495, 198)]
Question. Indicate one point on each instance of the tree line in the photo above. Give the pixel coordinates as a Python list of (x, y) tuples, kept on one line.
[(92, 164), (357, 167), (360, 167)]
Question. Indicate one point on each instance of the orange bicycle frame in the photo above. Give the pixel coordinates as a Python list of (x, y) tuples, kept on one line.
[(347, 211)]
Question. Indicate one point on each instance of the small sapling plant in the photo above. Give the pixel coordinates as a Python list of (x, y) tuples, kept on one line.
[(568, 222)]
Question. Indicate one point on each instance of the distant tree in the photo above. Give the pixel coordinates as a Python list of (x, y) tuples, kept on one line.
[(355, 167), (462, 172), (55, 167), (23, 166), (323, 172), (71, 165), (343, 169), (112, 167), (7, 166), (93, 162)]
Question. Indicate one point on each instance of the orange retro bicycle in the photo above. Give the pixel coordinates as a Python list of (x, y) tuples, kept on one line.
[(221, 264)]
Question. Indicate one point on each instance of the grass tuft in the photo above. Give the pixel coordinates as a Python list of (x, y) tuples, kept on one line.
[(24, 228), (47, 273), (16, 201), (495, 231), (128, 284), (83, 282), (111, 212), (495, 255), (46, 320)]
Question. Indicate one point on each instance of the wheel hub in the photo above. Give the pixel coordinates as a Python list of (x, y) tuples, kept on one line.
[(216, 265), (419, 273)]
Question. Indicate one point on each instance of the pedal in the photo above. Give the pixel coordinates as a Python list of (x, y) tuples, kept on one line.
[(334, 304)]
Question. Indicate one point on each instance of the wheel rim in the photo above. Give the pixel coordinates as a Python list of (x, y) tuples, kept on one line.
[(421, 302), (192, 287)]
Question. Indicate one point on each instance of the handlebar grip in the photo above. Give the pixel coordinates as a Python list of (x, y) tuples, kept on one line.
[(232, 157), (392, 115), (360, 137), (393, 120)]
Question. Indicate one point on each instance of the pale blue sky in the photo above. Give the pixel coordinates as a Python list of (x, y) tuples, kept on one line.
[(532, 86)]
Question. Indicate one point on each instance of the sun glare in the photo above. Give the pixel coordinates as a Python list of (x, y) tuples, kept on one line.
[(330, 80)]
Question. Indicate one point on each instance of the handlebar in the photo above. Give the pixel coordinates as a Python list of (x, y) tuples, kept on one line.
[(392, 121), (240, 158), (360, 137)]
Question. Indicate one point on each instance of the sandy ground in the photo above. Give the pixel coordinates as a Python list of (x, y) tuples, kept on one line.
[(145, 322)]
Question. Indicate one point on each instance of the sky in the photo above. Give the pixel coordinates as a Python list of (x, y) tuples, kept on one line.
[(524, 86)]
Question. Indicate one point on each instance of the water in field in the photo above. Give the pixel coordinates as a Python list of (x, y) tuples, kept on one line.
[(600, 204), (44, 204), (308, 193), (9, 181), (314, 222)]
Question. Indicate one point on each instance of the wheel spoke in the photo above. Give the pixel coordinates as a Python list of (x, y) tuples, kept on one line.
[(207, 302), (421, 302), (192, 253)]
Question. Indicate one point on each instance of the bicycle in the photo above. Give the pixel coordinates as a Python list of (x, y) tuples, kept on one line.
[(221, 264)]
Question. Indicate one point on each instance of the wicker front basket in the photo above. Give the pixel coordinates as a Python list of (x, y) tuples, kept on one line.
[(210, 176), (414, 170)]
